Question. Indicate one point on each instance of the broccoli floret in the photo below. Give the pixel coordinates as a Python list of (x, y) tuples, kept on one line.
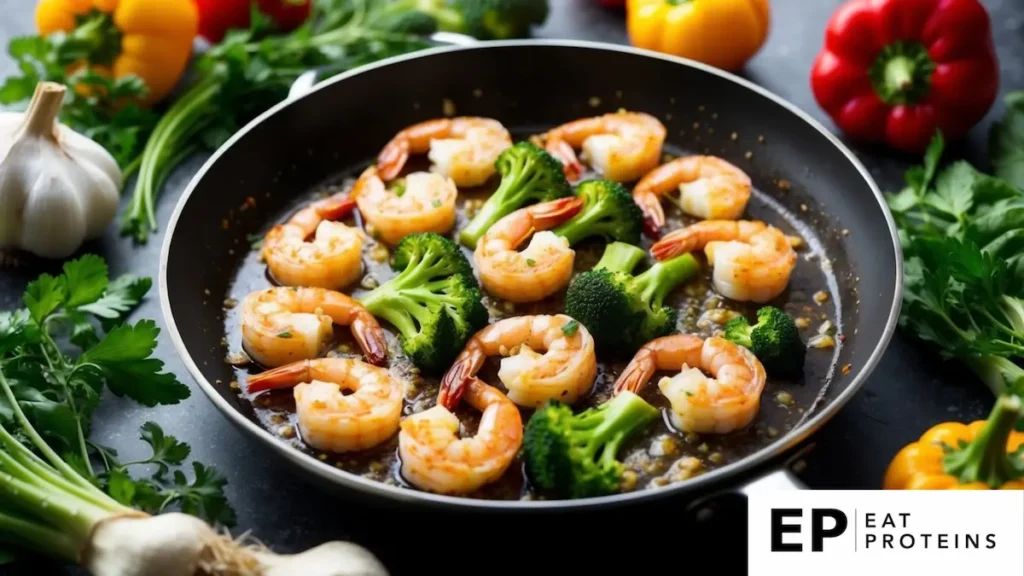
[(609, 211), (482, 19), (434, 302), (406, 21), (575, 455), (623, 312), (528, 173), (774, 339)]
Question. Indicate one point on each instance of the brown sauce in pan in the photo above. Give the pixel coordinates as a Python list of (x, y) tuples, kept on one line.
[(658, 457)]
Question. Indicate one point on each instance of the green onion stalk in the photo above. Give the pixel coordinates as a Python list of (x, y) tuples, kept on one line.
[(244, 75), (49, 508)]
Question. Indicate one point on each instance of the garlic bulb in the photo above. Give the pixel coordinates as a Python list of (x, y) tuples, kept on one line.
[(57, 187)]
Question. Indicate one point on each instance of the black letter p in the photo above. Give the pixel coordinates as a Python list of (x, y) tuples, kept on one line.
[(818, 531)]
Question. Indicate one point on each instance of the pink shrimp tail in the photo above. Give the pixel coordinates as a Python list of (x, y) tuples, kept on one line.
[(370, 336), (561, 150), (636, 374), (335, 207), (651, 227), (392, 158), (547, 215), (670, 246), (285, 376), (453, 385)]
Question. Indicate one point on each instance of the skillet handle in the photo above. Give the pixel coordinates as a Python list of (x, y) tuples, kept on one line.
[(782, 478), (308, 79)]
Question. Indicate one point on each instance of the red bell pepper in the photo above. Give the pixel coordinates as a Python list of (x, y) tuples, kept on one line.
[(216, 17), (895, 71)]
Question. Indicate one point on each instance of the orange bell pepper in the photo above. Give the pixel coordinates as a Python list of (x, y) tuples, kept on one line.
[(722, 33), (982, 455), (151, 39)]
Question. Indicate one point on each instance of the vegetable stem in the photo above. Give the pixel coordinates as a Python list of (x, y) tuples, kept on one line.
[(73, 517), (985, 459), (63, 380), (620, 257), (36, 465), (37, 440), (37, 537)]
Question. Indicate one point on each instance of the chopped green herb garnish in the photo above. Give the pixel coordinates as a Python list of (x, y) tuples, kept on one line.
[(570, 328)]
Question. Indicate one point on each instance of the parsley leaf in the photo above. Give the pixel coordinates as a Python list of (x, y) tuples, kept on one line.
[(204, 496), (44, 295), (124, 359), (121, 487), (85, 279), (97, 106), (58, 392), (16, 329), (120, 298), (1006, 141), (167, 450)]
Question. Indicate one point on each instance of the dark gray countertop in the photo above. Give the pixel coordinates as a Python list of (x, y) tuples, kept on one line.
[(910, 390)]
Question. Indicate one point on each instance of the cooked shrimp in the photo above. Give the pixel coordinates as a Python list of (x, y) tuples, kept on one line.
[(752, 261), (622, 146), (709, 188), (543, 268), (725, 402), (282, 325), (333, 259), (544, 357), (435, 458), (330, 420), (464, 149), (425, 202)]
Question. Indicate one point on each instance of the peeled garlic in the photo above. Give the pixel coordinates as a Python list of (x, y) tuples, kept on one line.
[(57, 187)]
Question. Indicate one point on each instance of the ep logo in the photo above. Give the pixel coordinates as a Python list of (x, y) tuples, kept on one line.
[(823, 523)]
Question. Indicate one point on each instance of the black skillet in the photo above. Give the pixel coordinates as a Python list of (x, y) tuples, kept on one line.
[(342, 123)]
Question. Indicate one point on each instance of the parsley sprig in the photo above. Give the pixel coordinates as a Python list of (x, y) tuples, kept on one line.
[(962, 233), (96, 106), (61, 350)]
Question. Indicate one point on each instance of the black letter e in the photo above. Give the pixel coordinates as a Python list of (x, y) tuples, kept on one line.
[(778, 529)]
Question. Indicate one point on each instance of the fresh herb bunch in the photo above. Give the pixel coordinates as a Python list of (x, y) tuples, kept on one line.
[(1006, 141), (60, 351), (251, 70), (962, 231), (96, 106)]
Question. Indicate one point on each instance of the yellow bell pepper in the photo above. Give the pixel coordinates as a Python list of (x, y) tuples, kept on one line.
[(151, 39), (982, 455), (721, 33)]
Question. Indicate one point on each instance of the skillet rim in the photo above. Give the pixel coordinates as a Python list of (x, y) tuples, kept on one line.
[(703, 483)]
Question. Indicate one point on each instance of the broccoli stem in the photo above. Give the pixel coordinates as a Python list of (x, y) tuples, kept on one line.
[(663, 277), (605, 428), (620, 257), (503, 202), (985, 459), (578, 228), (401, 312)]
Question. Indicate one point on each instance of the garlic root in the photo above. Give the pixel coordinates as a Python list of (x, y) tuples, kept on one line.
[(176, 544)]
